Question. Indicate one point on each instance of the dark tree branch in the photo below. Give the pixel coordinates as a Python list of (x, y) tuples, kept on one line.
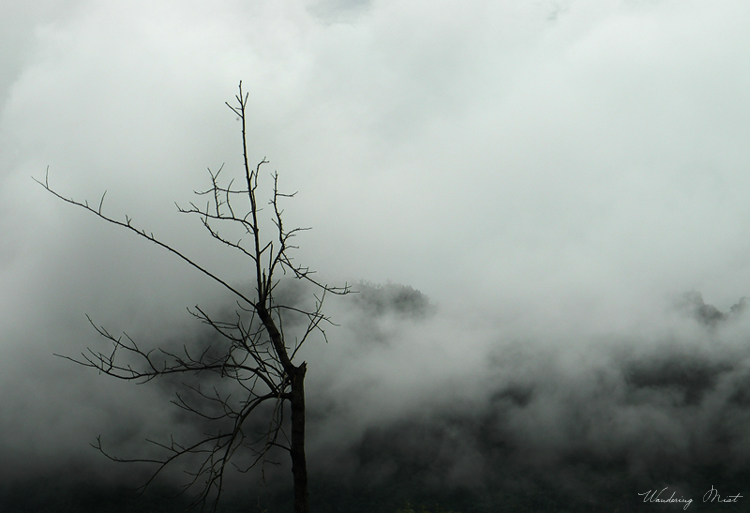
[(253, 360)]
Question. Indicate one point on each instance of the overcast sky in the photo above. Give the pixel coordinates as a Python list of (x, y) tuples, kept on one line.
[(546, 170), (487, 150)]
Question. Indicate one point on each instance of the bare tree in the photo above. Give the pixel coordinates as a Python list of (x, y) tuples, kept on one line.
[(254, 361)]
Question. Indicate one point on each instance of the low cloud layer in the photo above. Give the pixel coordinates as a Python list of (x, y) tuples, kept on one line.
[(600, 418), (552, 176)]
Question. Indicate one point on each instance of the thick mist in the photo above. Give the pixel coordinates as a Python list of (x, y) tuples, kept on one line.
[(560, 186)]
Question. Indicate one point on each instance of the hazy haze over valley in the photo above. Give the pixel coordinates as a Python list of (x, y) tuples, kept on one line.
[(544, 205)]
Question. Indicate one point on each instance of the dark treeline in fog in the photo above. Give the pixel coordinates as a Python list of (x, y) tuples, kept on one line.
[(536, 430)]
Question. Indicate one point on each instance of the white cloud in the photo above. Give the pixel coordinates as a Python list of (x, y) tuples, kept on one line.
[(551, 167)]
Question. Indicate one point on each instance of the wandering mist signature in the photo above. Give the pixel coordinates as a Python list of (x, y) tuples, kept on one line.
[(710, 496)]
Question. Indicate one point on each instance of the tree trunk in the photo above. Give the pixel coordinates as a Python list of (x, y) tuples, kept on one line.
[(299, 462)]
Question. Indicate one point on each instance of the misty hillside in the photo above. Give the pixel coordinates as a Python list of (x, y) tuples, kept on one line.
[(526, 434), (546, 202)]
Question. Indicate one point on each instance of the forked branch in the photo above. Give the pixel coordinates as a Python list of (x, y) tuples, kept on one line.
[(254, 358)]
